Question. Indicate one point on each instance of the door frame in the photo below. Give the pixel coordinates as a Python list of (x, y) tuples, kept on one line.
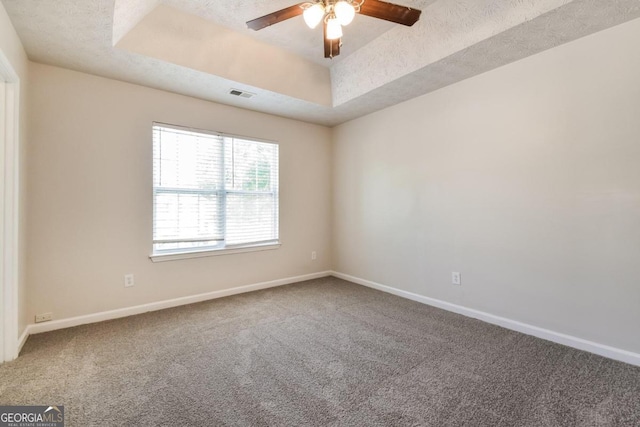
[(9, 213)]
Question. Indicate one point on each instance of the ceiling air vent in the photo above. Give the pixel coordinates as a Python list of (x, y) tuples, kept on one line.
[(241, 93)]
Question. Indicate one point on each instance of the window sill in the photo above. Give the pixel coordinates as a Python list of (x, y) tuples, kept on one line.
[(174, 256)]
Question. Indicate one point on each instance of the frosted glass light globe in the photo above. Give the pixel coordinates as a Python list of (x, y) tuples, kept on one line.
[(313, 15), (344, 12), (334, 29)]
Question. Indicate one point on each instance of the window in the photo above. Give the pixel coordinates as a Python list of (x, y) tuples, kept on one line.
[(212, 191)]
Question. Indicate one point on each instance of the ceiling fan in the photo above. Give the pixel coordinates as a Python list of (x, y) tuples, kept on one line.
[(335, 14)]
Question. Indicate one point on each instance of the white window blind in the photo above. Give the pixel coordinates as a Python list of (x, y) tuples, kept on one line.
[(212, 191)]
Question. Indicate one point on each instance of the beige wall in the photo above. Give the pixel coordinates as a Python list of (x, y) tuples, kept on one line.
[(525, 179), (11, 47), (90, 199)]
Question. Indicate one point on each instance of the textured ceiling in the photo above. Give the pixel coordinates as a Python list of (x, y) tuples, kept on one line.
[(382, 63)]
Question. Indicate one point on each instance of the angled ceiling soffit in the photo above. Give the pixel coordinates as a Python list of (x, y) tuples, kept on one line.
[(127, 14), (446, 28), (183, 39)]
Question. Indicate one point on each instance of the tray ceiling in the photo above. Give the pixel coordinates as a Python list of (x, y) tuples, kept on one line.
[(202, 48)]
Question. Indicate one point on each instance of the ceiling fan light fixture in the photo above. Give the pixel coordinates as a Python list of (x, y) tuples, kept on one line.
[(334, 14), (344, 12), (313, 15)]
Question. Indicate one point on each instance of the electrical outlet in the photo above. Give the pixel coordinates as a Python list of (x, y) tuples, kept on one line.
[(44, 317), (313, 255), (128, 280), (455, 278)]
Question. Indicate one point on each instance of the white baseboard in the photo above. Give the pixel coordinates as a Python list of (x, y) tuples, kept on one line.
[(568, 340), (37, 328), (23, 339)]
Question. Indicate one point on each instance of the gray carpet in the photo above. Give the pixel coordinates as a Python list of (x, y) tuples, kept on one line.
[(323, 352)]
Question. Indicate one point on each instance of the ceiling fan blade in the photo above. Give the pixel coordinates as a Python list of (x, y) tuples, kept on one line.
[(390, 12), (331, 47), (275, 17)]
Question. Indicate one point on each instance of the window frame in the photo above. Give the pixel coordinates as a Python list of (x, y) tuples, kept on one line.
[(221, 248)]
